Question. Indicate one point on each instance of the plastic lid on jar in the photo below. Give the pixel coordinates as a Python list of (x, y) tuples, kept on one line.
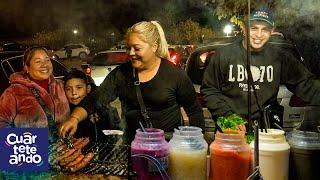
[(272, 135), (304, 139), (188, 131), (188, 137)]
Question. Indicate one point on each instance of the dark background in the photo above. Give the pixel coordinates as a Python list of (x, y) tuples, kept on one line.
[(26, 17)]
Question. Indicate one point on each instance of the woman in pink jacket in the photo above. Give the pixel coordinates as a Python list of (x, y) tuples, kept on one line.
[(34, 99)]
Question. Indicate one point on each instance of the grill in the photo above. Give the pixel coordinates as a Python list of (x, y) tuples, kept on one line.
[(109, 159)]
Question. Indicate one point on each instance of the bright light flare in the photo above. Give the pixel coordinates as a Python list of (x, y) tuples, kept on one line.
[(227, 29)]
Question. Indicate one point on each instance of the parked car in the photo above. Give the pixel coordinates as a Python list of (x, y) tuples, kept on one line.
[(13, 64), (178, 55), (295, 109), (77, 50), (104, 62), (13, 46), (7, 54)]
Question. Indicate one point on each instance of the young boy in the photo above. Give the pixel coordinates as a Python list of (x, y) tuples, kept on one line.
[(77, 86)]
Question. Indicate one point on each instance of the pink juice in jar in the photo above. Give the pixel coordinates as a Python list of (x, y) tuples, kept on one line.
[(149, 144)]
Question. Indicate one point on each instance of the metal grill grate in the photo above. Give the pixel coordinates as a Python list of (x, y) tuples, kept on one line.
[(110, 159)]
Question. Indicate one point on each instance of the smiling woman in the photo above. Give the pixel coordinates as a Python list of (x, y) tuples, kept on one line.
[(38, 67), (34, 98), (164, 87)]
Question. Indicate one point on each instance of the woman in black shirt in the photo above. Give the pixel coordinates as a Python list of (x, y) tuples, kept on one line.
[(164, 87)]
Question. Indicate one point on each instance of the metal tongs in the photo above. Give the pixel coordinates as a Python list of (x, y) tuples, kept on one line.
[(266, 123), (68, 143)]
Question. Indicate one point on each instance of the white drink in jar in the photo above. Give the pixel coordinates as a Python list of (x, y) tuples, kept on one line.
[(273, 155), (187, 164), (188, 154)]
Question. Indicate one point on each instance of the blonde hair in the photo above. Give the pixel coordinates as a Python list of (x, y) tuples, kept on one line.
[(152, 33)]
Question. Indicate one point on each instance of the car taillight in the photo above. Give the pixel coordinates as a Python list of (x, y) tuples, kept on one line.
[(174, 58), (295, 101)]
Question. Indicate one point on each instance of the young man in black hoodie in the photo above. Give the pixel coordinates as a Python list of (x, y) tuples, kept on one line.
[(225, 82)]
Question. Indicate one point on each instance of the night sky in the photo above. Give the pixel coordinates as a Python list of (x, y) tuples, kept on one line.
[(21, 18), (26, 17)]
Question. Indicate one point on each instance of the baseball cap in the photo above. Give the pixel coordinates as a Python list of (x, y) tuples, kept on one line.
[(262, 15)]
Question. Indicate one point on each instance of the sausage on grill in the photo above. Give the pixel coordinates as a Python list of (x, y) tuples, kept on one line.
[(65, 154), (85, 161), (82, 143), (70, 158), (76, 161), (77, 141)]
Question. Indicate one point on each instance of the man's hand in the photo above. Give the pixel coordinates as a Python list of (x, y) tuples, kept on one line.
[(69, 127)]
